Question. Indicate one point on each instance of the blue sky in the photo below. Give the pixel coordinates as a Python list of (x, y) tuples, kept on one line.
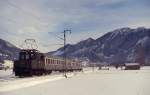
[(22, 19)]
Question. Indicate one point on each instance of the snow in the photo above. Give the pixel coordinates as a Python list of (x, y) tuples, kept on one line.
[(15, 86), (102, 82), (8, 63), (6, 75), (113, 35), (143, 40), (121, 31)]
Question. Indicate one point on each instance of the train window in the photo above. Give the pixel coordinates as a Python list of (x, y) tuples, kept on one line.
[(54, 62), (48, 61), (51, 61), (27, 56), (22, 56)]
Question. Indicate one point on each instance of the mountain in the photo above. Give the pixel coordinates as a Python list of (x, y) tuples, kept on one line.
[(8, 51), (118, 46)]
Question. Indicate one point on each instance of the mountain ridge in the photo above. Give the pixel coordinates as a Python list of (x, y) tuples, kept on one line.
[(8, 51), (117, 46)]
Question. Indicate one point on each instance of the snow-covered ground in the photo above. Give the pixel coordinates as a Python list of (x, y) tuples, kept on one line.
[(6, 75), (89, 82)]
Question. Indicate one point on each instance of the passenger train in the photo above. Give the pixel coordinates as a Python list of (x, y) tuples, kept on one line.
[(32, 62)]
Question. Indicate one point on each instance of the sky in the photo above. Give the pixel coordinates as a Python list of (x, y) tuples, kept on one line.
[(45, 20)]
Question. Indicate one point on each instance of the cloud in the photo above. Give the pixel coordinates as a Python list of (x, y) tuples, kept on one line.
[(21, 19)]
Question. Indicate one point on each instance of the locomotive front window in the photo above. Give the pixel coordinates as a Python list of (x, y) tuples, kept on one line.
[(27, 56), (22, 56)]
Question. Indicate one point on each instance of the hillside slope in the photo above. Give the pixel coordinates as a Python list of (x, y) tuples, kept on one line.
[(8, 51), (120, 45)]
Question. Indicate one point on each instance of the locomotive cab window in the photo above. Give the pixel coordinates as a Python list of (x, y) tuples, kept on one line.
[(22, 56), (27, 56)]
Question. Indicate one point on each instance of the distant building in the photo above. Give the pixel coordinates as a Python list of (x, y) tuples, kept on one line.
[(132, 66)]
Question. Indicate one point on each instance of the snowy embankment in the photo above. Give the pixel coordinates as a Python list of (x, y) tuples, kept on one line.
[(90, 82), (9, 82), (27, 82), (6, 75)]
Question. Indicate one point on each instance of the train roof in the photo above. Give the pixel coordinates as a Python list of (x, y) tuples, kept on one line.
[(131, 64), (48, 56), (57, 57)]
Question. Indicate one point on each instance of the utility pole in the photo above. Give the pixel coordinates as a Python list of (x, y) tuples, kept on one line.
[(65, 55)]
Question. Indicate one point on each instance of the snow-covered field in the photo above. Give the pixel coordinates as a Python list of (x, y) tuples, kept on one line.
[(6, 75), (89, 82)]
